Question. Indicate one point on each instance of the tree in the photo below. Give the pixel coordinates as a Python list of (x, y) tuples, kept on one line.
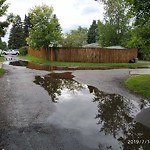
[(116, 22), (3, 45), (107, 34), (3, 24), (26, 26), (140, 34), (45, 30), (93, 33), (75, 38), (141, 9), (16, 34)]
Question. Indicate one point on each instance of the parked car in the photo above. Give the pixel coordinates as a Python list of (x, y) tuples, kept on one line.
[(11, 52)]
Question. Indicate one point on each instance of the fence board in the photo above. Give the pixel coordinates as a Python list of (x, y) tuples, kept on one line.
[(86, 54)]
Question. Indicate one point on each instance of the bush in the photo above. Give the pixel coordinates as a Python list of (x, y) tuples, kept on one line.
[(23, 50)]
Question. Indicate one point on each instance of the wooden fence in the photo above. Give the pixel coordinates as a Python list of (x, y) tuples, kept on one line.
[(85, 54)]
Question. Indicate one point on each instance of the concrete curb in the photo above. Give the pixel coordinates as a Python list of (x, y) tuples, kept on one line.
[(139, 71)]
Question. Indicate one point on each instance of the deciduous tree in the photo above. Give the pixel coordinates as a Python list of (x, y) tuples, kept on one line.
[(45, 30), (140, 34), (75, 38), (116, 22)]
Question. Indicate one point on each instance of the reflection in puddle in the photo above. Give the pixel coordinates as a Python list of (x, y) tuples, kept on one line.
[(106, 121), (30, 65)]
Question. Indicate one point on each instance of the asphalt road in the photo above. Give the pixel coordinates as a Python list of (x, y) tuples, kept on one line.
[(30, 120)]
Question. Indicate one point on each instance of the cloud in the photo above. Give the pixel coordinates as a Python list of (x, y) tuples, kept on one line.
[(90, 10), (71, 13)]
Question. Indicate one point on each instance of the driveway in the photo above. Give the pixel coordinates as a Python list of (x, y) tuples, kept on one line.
[(69, 110)]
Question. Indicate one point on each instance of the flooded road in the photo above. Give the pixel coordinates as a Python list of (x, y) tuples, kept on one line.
[(99, 116), (71, 110)]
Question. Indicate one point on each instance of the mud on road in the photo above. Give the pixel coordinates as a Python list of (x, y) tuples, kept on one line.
[(77, 110)]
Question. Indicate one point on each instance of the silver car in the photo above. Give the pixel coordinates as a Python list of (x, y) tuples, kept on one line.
[(11, 52)]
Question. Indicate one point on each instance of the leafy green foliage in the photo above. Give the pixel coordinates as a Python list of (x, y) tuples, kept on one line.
[(93, 33), (142, 11), (107, 34), (3, 24), (140, 38), (23, 50), (140, 34), (26, 26), (16, 34), (75, 38), (3, 45), (115, 27), (45, 30)]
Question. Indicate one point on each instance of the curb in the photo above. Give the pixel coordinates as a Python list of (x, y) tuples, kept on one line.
[(139, 71)]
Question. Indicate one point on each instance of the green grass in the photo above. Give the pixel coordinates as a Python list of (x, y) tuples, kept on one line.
[(2, 72), (1, 59), (139, 84), (37, 60)]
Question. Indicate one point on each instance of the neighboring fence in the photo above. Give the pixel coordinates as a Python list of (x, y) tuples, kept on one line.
[(86, 54)]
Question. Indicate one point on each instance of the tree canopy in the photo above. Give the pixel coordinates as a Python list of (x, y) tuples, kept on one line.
[(93, 33), (75, 38), (116, 22), (3, 24), (140, 33), (45, 29)]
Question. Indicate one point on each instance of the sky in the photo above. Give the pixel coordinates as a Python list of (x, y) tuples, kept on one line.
[(71, 13)]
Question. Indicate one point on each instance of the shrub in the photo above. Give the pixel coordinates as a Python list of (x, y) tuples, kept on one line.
[(23, 50)]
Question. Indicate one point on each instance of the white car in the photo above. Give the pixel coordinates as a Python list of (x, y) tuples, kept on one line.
[(11, 52)]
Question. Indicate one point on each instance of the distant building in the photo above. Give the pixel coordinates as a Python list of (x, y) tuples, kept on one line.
[(115, 47), (92, 45)]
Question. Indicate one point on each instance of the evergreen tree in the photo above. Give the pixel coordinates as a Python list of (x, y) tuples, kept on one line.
[(26, 26), (16, 34), (92, 33)]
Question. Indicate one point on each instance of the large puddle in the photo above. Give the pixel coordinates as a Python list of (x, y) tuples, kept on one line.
[(31, 65), (105, 121)]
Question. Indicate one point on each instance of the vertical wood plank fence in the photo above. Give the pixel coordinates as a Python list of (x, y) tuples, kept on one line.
[(85, 54)]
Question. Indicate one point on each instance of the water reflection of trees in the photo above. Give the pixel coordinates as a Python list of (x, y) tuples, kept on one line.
[(54, 83), (115, 117)]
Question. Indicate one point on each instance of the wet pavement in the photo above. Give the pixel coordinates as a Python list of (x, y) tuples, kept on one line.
[(71, 110)]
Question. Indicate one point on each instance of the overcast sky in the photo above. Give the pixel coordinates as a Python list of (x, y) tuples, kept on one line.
[(71, 13)]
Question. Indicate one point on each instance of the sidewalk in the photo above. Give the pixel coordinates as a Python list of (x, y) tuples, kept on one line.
[(139, 71)]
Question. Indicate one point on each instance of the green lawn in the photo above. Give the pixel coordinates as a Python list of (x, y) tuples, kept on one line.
[(139, 84), (37, 60), (2, 72), (1, 59)]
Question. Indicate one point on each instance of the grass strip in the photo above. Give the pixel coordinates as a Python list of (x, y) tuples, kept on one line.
[(139, 84), (37, 60), (1, 59), (2, 72)]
